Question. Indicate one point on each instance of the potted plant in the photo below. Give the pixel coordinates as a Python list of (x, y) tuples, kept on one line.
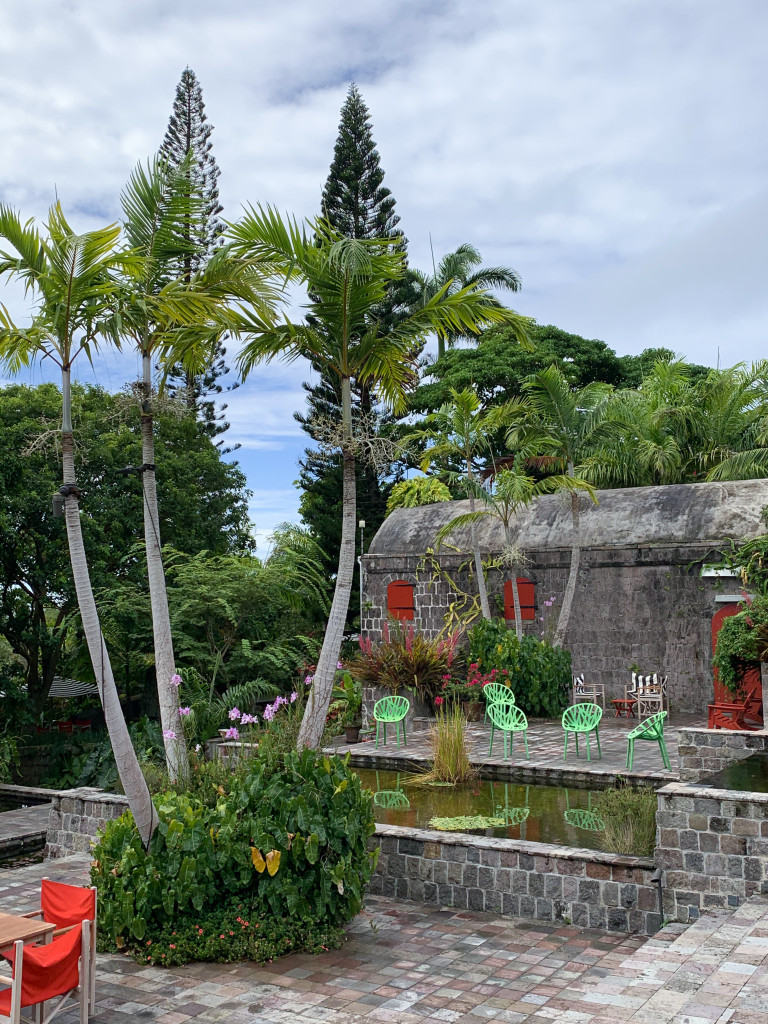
[(348, 694)]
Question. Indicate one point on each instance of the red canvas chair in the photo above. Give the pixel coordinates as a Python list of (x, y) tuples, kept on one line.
[(67, 906), (57, 971), (733, 715)]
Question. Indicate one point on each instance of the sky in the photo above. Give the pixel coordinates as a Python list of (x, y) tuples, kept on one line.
[(612, 151)]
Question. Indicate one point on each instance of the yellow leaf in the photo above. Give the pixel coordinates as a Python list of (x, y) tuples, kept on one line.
[(341, 787), (213, 837), (327, 766), (258, 861), (273, 861)]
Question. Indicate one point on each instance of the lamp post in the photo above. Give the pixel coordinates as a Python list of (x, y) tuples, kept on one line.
[(361, 524)]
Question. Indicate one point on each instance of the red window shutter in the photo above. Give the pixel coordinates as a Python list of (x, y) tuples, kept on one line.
[(527, 592), (400, 600)]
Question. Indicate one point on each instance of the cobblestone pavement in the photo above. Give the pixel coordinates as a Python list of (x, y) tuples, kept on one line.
[(414, 964), (24, 821), (545, 745)]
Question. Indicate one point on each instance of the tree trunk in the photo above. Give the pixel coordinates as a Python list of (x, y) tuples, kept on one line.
[(573, 574), (515, 588), (313, 724), (176, 756), (482, 590), (134, 783)]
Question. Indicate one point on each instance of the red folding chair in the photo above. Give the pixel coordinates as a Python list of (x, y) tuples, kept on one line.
[(67, 906), (57, 971)]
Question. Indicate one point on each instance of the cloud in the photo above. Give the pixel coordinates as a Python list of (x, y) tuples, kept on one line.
[(613, 151)]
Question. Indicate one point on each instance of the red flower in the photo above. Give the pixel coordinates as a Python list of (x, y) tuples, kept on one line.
[(438, 701)]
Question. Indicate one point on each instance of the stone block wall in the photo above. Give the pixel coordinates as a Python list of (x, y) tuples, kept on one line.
[(712, 845), (588, 888), (703, 752), (647, 606), (75, 818)]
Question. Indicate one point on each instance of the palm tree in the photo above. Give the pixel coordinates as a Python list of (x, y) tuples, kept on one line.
[(75, 278), (555, 420), (163, 314), (456, 271), (346, 281), (461, 432), (513, 490)]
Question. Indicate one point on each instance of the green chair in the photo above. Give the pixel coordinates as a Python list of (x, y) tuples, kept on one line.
[(392, 709), (651, 729), (582, 718), (497, 693), (509, 719)]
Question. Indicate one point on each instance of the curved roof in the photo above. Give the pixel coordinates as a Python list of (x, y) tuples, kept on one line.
[(705, 513)]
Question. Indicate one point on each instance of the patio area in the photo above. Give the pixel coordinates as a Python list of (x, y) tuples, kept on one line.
[(414, 964), (545, 746)]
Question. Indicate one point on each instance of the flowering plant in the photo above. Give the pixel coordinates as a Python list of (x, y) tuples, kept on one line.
[(405, 659), (471, 688)]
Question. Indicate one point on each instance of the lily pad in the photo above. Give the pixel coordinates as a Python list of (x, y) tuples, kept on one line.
[(465, 823)]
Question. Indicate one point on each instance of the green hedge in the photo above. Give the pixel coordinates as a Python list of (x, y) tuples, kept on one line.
[(287, 843), (540, 674)]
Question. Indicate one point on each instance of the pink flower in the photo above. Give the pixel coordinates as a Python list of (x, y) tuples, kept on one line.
[(447, 678), (185, 711), (232, 734), (234, 714), (339, 665), (438, 701), (308, 680), (169, 734), (294, 696), (247, 719), (269, 713), (175, 679)]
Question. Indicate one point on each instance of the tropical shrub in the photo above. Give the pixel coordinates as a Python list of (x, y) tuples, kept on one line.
[(405, 659), (539, 674), (285, 844), (450, 758), (741, 642)]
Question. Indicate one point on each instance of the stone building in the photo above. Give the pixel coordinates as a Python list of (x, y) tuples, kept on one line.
[(644, 597)]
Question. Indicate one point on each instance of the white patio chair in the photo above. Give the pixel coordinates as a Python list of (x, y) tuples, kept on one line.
[(590, 692), (650, 692)]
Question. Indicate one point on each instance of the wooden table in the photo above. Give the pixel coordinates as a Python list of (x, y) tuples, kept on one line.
[(28, 929), (625, 705)]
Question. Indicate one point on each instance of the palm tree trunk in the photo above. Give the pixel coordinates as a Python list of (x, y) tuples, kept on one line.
[(573, 574), (313, 723), (515, 589), (176, 756), (482, 589), (134, 783)]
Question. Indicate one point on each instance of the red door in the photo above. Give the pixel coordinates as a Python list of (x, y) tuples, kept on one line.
[(752, 677)]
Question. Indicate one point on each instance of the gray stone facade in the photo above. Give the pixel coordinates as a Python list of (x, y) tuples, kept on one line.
[(703, 752), (640, 599), (75, 818), (712, 845), (587, 888)]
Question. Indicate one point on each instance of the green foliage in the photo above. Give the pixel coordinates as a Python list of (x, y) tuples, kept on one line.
[(287, 841), (419, 490), (629, 816), (539, 674), (466, 823), (347, 700), (405, 660), (741, 642), (87, 759)]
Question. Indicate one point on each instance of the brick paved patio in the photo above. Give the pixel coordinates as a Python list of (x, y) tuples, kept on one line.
[(414, 964), (545, 743)]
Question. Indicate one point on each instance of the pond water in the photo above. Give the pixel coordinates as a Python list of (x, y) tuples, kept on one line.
[(537, 813), (747, 776)]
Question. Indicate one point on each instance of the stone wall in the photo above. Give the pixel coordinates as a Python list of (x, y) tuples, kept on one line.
[(75, 819), (587, 888), (712, 845), (647, 606), (703, 752)]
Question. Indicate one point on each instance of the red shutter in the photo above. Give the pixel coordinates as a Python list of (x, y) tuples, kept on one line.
[(527, 592), (400, 600)]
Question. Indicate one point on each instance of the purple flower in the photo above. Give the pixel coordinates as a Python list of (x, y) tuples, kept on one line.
[(339, 665), (185, 711), (234, 714), (269, 713), (198, 748), (169, 734), (308, 680), (279, 701), (175, 679), (294, 695), (247, 719), (232, 734)]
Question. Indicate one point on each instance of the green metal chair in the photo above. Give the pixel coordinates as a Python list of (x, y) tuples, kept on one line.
[(497, 693), (651, 729), (509, 719), (392, 710), (582, 718)]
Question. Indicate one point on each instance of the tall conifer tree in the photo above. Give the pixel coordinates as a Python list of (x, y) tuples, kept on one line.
[(358, 204), (190, 131)]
